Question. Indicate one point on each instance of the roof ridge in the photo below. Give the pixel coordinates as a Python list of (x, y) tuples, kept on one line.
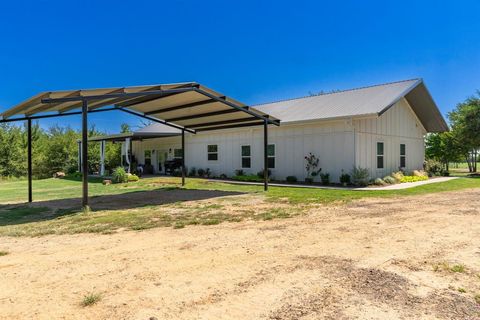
[(334, 92)]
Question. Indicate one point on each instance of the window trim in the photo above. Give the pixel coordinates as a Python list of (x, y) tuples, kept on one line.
[(404, 155), (274, 155), (246, 157), (377, 155), (145, 156), (212, 152)]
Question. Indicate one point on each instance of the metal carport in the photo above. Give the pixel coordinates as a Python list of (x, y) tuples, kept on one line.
[(185, 106)]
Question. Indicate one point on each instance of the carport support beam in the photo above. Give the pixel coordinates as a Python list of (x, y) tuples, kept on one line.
[(183, 157), (29, 158), (84, 153), (265, 155)]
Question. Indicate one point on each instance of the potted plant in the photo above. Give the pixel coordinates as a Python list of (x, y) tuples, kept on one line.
[(311, 167)]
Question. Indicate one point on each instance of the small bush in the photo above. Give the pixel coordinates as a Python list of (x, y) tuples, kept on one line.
[(460, 268), (345, 178), (405, 179), (419, 173), (201, 172), (477, 298), (177, 172), (360, 176), (309, 180), (260, 173), (239, 172), (397, 175), (91, 299), (119, 175), (192, 172), (248, 178), (433, 167), (208, 173), (3, 253), (379, 182), (325, 177), (389, 180), (223, 176), (291, 179), (132, 177)]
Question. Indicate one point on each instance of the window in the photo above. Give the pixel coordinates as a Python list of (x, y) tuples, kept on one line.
[(148, 157), (403, 156), (212, 151), (246, 157), (271, 156), (380, 154), (177, 153)]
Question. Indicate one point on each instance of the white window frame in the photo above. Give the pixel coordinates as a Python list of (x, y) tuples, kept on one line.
[(211, 152), (274, 155), (246, 157), (380, 155)]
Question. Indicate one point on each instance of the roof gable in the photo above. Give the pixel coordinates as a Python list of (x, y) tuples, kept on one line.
[(366, 101)]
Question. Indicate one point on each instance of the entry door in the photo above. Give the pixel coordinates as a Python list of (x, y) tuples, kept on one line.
[(162, 155)]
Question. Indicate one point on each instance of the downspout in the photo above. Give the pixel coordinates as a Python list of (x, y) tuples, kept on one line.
[(354, 145)]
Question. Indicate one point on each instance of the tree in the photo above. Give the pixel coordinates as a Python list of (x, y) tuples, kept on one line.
[(444, 147), (465, 121)]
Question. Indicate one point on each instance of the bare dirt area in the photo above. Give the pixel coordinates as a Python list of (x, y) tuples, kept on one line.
[(392, 258)]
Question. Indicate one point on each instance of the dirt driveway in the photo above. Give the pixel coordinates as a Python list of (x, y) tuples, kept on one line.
[(396, 258)]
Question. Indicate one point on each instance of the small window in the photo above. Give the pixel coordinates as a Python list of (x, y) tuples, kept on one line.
[(212, 152), (403, 155), (271, 156), (246, 157), (148, 157), (380, 155), (177, 153)]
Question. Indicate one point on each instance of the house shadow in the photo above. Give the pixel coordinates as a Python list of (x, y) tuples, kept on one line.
[(20, 213)]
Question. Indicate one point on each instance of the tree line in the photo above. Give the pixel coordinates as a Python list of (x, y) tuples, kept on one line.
[(53, 149), (462, 142)]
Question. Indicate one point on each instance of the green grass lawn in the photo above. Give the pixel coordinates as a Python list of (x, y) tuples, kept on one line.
[(46, 216)]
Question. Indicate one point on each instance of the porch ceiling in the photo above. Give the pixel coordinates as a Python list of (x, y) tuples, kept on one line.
[(187, 105)]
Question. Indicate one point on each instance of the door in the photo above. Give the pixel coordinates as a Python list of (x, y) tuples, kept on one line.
[(162, 156)]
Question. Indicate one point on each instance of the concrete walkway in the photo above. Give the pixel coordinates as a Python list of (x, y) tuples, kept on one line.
[(398, 186)]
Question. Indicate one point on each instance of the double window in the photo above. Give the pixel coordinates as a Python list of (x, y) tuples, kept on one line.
[(403, 155), (380, 155), (177, 153), (271, 156), (246, 157), (212, 152)]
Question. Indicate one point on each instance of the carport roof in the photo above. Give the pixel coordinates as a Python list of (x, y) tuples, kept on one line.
[(186, 105)]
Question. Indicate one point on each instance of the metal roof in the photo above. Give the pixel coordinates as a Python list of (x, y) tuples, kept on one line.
[(186, 105), (360, 102)]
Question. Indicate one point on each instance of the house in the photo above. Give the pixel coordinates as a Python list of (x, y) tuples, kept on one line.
[(380, 127)]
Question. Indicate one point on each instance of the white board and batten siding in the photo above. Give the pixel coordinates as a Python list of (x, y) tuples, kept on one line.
[(398, 125), (340, 145)]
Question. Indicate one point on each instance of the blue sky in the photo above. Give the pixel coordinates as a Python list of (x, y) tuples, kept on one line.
[(254, 51)]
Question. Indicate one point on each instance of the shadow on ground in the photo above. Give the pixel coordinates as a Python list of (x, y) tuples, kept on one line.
[(50, 209)]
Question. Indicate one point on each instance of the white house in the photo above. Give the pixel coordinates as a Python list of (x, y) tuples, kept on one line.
[(379, 127)]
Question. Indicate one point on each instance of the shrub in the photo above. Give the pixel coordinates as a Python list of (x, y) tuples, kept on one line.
[(397, 175), (379, 182), (345, 178), (413, 179), (260, 173), (177, 172), (433, 167), (239, 172), (419, 173), (325, 177), (208, 173), (248, 178), (389, 180), (192, 172), (223, 176), (360, 176), (91, 299), (119, 175), (132, 177), (201, 172), (291, 179), (445, 173), (309, 180)]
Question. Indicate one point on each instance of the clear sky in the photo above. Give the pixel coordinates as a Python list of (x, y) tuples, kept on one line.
[(254, 51)]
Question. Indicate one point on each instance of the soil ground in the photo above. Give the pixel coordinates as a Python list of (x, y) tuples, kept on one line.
[(414, 257)]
